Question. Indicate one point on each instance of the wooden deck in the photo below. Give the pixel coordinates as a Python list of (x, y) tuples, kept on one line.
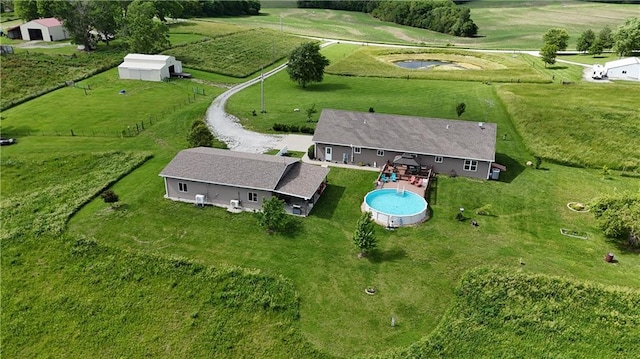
[(403, 176)]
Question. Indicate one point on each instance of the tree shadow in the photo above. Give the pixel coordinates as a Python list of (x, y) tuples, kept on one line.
[(514, 168), (326, 87), (292, 228), (391, 255), (328, 202), (622, 245)]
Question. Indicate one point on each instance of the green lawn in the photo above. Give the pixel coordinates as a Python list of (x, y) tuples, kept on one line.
[(160, 278), (102, 110)]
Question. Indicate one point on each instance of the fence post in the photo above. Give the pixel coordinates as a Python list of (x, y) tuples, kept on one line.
[(72, 134)]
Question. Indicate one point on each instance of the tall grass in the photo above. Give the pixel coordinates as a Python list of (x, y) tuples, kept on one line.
[(378, 62), (39, 209), (28, 75), (505, 314), (590, 125)]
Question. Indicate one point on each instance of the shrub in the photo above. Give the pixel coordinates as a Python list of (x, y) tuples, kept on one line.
[(484, 210), (311, 151), (109, 196)]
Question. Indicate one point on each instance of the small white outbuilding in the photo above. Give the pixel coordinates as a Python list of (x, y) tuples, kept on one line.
[(149, 67), (623, 69), (49, 29)]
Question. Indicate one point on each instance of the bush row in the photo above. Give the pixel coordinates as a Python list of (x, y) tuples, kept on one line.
[(281, 127)]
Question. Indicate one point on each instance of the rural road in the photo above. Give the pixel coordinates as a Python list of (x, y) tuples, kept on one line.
[(227, 128)]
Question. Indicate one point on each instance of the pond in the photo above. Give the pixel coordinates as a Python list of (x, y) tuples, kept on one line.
[(424, 64)]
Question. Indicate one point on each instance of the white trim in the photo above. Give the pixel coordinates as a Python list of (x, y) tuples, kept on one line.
[(357, 150), (473, 167), (254, 195), (436, 158), (182, 187), (380, 153)]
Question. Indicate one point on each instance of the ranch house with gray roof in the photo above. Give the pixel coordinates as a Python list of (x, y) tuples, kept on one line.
[(241, 181), (463, 148)]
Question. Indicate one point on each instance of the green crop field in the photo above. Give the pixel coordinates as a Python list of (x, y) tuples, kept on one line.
[(149, 277), (237, 55)]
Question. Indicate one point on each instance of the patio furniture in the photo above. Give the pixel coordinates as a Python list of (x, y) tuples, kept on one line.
[(412, 180), (418, 182), (393, 177), (384, 178)]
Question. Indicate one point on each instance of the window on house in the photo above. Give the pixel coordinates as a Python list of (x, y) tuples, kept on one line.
[(253, 197), (624, 71), (380, 153), (439, 159), (182, 187), (470, 165), (357, 150)]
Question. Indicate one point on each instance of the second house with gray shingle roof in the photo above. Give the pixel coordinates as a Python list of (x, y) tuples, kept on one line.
[(457, 147), (242, 181)]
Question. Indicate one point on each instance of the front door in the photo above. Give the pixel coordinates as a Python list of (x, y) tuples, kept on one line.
[(345, 157), (327, 154)]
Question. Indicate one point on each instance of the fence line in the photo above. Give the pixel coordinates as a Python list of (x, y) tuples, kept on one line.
[(131, 130)]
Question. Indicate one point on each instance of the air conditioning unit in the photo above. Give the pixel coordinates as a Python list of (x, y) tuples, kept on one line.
[(234, 203)]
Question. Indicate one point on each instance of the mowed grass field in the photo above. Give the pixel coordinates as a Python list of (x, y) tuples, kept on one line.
[(503, 24), (116, 285)]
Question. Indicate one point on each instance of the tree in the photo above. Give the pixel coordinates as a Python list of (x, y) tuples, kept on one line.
[(627, 37), (461, 108), (310, 111), (585, 40), (200, 135), (618, 215), (605, 37), (596, 48), (109, 196), (558, 37), (364, 236), (107, 18), (26, 10), (548, 53), (272, 217), (77, 19), (141, 32), (306, 64)]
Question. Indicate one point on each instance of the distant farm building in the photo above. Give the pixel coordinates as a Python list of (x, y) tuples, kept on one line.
[(14, 32), (623, 69), (49, 29), (149, 67)]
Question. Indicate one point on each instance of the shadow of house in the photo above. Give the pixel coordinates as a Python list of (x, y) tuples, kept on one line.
[(514, 168), (328, 203)]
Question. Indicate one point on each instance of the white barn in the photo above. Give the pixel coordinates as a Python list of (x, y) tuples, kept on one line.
[(148, 67), (49, 29), (623, 69)]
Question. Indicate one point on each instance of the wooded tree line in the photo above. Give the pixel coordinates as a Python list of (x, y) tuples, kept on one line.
[(436, 15)]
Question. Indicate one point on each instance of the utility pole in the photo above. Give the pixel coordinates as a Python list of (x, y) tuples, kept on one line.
[(262, 90)]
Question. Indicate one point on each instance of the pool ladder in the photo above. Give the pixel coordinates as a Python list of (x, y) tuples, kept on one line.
[(400, 191)]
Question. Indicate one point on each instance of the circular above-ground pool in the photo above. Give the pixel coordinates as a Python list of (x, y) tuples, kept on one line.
[(393, 208)]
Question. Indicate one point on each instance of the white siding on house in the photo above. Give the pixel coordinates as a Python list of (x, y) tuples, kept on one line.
[(624, 69)]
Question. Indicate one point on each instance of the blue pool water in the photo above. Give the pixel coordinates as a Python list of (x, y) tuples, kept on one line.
[(389, 201)]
